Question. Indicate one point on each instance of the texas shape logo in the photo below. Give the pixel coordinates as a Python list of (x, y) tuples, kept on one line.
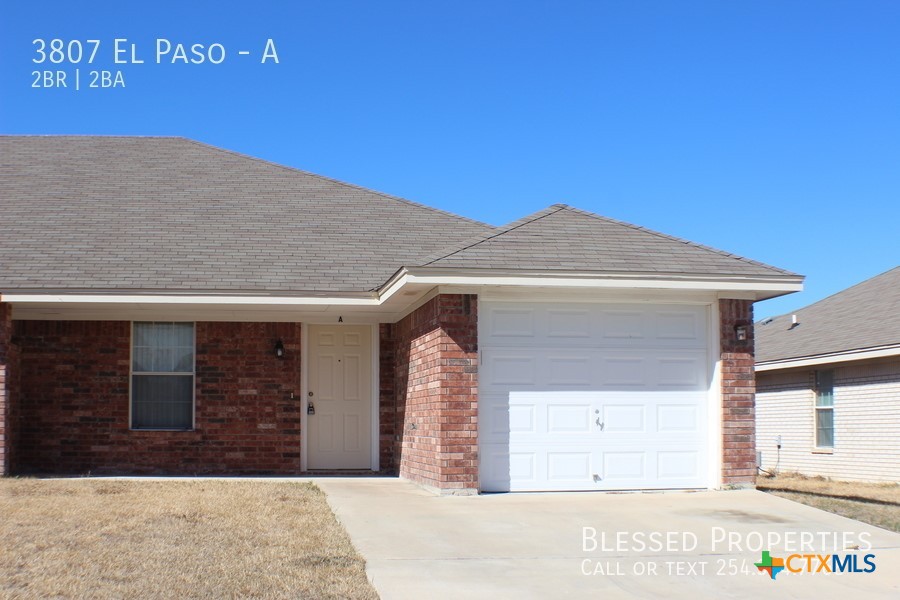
[(773, 566)]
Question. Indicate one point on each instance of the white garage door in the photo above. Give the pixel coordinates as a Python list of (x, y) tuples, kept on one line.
[(592, 396)]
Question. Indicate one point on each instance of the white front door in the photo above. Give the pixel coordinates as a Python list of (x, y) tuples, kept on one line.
[(341, 395), (592, 396)]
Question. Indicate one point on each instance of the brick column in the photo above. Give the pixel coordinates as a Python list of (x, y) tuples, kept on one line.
[(738, 394), (6, 355), (436, 394), (459, 393)]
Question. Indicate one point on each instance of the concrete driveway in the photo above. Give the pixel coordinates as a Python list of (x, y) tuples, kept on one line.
[(650, 545)]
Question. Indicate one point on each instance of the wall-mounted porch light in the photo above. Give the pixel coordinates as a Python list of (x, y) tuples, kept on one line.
[(740, 332), (279, 349)]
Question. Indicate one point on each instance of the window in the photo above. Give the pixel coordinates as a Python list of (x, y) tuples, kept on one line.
[(162, 376), (824, 409)]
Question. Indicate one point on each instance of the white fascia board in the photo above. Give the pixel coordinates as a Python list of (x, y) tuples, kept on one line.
[(593, 280), (438, 277), (186, 299), (824, 359)]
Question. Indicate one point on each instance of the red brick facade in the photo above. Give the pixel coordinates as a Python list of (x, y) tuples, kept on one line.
[(738, 390), (8, 370), (74, 402), (435, 387), (64, 398), (387, 411)]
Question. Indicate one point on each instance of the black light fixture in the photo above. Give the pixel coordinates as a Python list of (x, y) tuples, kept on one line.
[(279, 349), (740, 332)]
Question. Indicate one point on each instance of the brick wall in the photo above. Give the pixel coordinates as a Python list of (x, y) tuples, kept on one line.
[(387, 405), (738, 389), (436, 394), (73, 402), (7, 370)]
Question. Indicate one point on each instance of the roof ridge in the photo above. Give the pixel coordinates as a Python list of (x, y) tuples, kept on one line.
[(474, 241), (333, 180), (678, 239), (831, 296)]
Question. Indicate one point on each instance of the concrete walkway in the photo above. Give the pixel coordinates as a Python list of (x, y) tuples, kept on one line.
[(532, 545)]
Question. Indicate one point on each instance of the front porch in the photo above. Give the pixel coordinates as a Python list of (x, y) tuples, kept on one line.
[(66, 403)]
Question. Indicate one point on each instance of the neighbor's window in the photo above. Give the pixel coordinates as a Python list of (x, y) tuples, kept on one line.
[(162, 376), (825, 409)]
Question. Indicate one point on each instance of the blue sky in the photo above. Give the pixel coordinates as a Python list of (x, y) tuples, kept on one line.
[(768, 129)]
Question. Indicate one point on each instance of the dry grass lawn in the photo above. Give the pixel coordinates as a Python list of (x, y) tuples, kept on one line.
[(173, 539), (874, 503)]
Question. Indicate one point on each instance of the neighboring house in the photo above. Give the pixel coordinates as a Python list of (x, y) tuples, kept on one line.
[(828, 385), (171, 307)]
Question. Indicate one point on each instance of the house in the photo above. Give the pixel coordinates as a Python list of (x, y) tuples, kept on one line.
[(828, 385), (171, 307)]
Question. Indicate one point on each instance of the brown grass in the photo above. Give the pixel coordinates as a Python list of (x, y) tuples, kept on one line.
[(874, 503), (174, 539), (878, 492)]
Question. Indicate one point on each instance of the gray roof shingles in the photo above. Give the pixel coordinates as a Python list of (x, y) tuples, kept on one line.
[(169, 213), (564, 238), (152, 213), (866, 315)]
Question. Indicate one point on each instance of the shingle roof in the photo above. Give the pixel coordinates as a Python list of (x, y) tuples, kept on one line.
[(149, 213), (562, 238), (169, 213), (866, 315)]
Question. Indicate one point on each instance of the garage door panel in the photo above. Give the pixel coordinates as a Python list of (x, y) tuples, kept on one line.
[(573, 370), (499, 419), (522, 466), (685, 370), (623, 466), (678, 418), (501, 467), (622, 370), (565, 419), (623, 418), (511, 370), (569, 323), (624, 325), (525, 368), (511, 322), (677, 464), (681, 325), (572, 465), (594, 397)]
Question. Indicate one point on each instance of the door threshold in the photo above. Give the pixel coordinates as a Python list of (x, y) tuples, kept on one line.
[(343, 473)]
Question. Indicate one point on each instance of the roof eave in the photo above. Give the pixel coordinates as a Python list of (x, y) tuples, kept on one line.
[(760, 286), (829, 357)]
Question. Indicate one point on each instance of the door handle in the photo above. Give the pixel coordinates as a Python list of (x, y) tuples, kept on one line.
[(599, 424), (310, 409)]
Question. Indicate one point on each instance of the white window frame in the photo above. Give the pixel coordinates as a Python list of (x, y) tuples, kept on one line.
[(132, 373), (817, 408)]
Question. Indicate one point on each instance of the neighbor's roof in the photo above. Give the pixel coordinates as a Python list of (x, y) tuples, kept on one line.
[(866, 315), (146, 213)]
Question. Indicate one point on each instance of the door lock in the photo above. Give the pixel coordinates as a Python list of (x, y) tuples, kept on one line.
[(310, 409)]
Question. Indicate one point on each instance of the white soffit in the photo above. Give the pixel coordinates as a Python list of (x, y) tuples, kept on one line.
[(403, 290)]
